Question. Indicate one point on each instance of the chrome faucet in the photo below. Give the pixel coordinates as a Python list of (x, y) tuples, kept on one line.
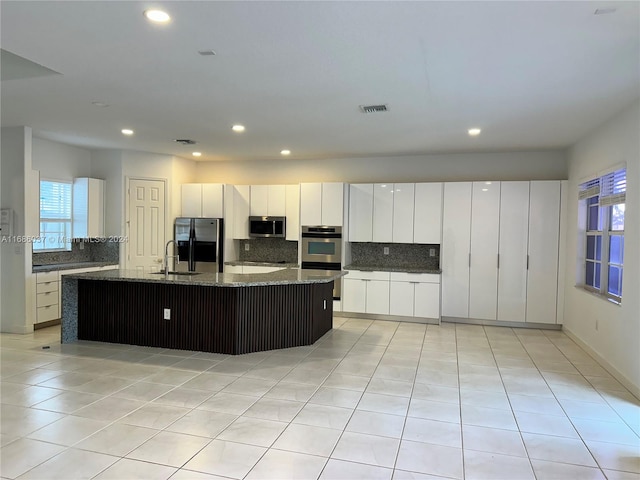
[(167, 257)]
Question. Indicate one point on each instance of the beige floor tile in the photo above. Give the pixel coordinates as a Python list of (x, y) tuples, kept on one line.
[(306, 376), (545, 424), (69, 430), (387, 386), (109, 408), (20, 421), (558, 449), (533, 404), (227, 459), (341, 470), (482, 466), (606, 432), (253, 431), (117, 439), (30, 395), (24, 454), (488, 417), (268, 372), (369, 449), (210, 382), (154, 415), (374, 423), (103, 385), (203, 423), (616, 456), (552, 471), (480, 398), (432, 431), (436, 393), (143, 391), (336, 397), (430, 459), (274, 409), (307, 439), (292, 391), (590, 411), (618, 475), (324, 416), (229, 367), (136, 470), (278, 464), (168, 448), (72, 463), (68, 402), (184, 474), (249, 386), (433, 377), (445, 412), (348, 382), (171, 376), (183, 397), (228, 403), (391, 404), (493, 440)]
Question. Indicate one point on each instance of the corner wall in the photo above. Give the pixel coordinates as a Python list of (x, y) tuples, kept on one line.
[(617, 340)]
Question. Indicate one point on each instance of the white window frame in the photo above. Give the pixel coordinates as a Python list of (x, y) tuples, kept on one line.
[(63, 236)]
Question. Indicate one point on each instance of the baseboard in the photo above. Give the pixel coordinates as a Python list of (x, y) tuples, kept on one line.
[(496, 323), (388, 318), (628, 384)]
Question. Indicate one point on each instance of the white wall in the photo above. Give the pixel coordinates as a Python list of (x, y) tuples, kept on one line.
[(544, 165), (617, 340), (15, 274), (107, 165), (58, 161)]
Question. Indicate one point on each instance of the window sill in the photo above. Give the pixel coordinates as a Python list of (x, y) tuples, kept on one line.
[(599, 295)]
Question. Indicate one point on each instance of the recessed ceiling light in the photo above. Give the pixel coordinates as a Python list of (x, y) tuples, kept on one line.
[(207, 53), (197, 154), (157, 16), (285, 152), (485, 189), (238, 128), (487, 183), (100, 104), (474, 132), (127, 131)]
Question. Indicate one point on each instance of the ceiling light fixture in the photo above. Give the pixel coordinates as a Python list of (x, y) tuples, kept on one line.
[(197, 154), (100, 104), (207, 53), (474, 132), (127, 131), (285, 152), (157, 16), (238, 128)]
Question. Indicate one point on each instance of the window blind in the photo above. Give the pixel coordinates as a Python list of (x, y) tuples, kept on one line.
[(613, 187), (55, 200), (589, 189)]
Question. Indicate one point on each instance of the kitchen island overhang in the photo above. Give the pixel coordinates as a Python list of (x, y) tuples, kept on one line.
[(210, 312)]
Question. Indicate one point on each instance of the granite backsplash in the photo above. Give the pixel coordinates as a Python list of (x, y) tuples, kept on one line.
[(400, 255), (81, 251), (275, 250)]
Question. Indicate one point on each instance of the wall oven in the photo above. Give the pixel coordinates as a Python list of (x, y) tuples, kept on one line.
[(322, 250)]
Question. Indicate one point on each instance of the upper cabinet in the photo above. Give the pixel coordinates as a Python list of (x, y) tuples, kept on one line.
[(268, 200), (321, 203), (292, 212), (398, 213), (88, 208), (203, 200), (241, 211)]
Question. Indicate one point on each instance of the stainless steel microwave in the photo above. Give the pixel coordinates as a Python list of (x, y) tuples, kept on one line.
[(261, 227)]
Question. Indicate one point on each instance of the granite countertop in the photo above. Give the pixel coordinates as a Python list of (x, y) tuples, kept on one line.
[(262, 264), (286, 276), (376, 268), (68, 266)]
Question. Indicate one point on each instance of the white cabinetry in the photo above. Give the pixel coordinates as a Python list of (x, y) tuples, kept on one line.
[(47, 296), (382, 212), (415, 295), (268, 200), (241, 205), (292, 212), (427, 226), (544, 236), (403, 211), (454, 253), (366, 292), (88, 208), (360, 212), (321, 203), (202, 200), (483, 272)]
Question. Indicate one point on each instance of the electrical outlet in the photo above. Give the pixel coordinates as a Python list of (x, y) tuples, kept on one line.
[(596, 325), (432, 252), (167, 314), (385, 251), (246, 247)]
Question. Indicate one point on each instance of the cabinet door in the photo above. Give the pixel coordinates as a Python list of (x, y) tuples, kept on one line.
[(213, 200), (191, 200), (401, 298), (514, 232), (259, 200), (277, 200), (96, 208), (332, 204), (403, 211), (360, 212), (378, 297), (382, 212), (427, 226), (354, 295), (241, 202), (292, 212), (310, 204), (483, 273), (544, 234), (454, 254), (427, 300)]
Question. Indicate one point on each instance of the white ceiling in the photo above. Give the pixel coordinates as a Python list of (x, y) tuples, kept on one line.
[(532, 75)]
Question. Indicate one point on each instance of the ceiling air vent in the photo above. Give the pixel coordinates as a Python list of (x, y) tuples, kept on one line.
[(185, 141), (373, 108)]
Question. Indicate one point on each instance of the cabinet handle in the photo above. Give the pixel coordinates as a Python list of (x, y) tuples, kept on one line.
[(498, 260), (469, 259), (527, 262)]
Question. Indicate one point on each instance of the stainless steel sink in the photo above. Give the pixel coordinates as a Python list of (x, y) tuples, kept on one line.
[(177, 273)]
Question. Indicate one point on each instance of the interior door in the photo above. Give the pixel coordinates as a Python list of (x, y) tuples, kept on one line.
[(146, 225)]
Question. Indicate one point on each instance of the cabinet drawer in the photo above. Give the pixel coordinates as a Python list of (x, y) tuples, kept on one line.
[(415, 277), (47, 277), (46, 299), (360, 275), (47, 313), (47, 287)]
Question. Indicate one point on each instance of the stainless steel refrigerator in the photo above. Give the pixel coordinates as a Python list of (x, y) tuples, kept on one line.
[(199, 244)]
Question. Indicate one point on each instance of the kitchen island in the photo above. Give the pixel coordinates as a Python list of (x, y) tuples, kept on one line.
[(209, 312)]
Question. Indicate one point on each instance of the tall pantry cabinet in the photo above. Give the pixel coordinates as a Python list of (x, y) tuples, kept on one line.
[(500, 251)]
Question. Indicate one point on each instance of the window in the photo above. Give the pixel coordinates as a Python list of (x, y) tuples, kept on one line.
[(602, 207), (55, 216)]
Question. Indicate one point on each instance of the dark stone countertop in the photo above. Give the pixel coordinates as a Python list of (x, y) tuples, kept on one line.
[(68, 266), (376, 268), (287, 276)]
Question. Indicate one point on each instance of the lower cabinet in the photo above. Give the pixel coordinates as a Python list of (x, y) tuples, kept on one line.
[(366, 292), (47, 296)]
